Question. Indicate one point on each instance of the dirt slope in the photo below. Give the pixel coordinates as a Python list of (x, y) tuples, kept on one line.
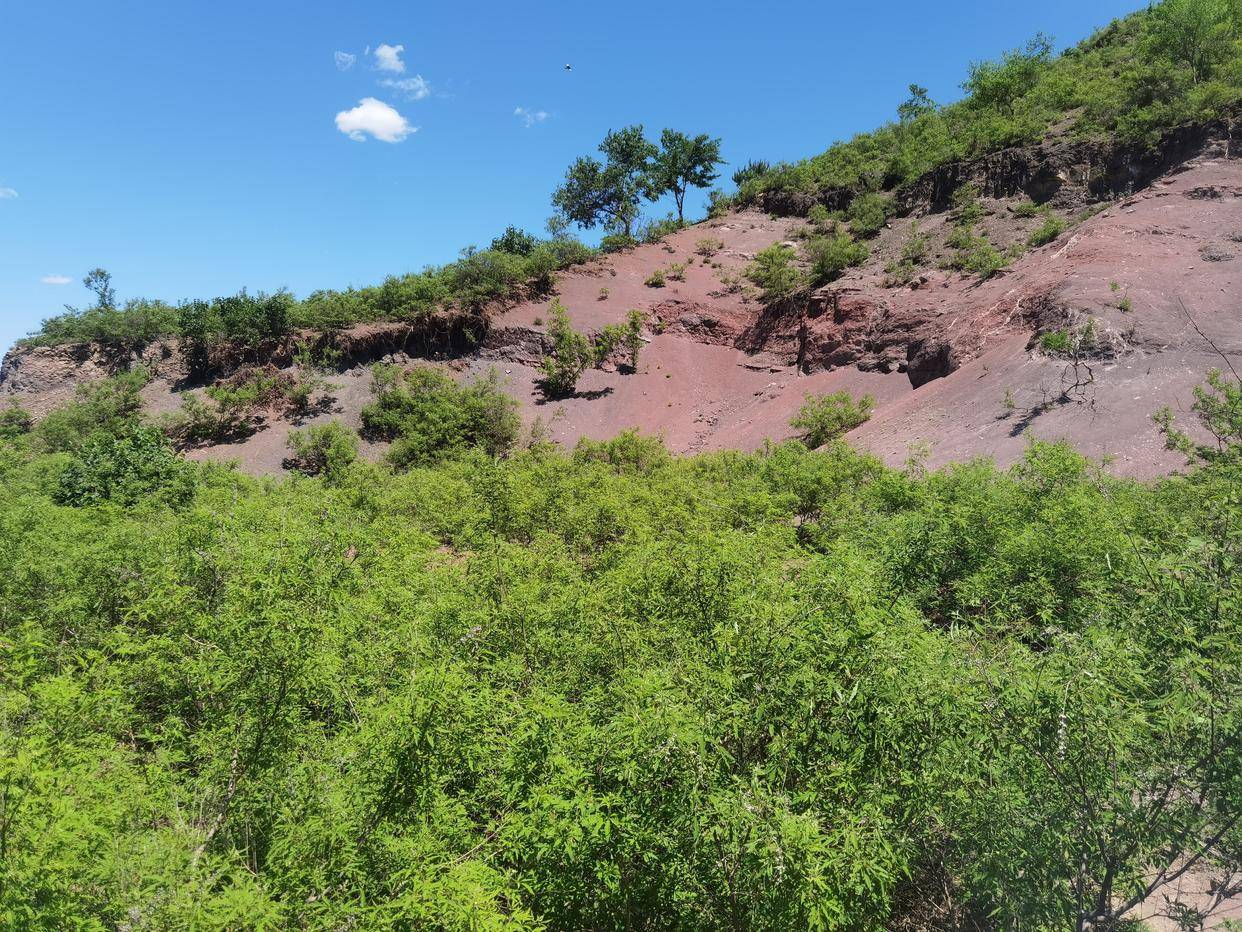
[(954, 363)]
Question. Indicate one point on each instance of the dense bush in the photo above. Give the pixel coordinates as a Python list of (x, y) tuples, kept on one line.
[(829, 256), (430, 418), (779, 690), (135, 464), (774, 271), (326, 450), (104, 405), (826, 417)]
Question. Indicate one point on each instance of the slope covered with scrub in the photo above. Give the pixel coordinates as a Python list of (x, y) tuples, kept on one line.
[(468, 653)]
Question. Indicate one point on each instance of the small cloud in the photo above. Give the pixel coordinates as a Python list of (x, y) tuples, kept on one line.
[(415, 88), (56, 279), (530, 117), (374, 118), (7, 194), (344, 60), (388, 58)]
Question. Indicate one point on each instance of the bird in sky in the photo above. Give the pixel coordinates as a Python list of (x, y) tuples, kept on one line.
[(569, 67)]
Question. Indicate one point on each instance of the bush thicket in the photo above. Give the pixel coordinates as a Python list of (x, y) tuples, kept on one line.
[(786, 689)]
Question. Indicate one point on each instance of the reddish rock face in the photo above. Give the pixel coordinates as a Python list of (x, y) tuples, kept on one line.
[(954, 362)]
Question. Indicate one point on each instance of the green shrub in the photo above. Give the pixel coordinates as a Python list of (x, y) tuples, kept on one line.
[(110, 405), (626, 452), (708, 247), (774, 271), (133, 465), (656, 279), (652, 231), (571, 354), (916, 246), (15, 422), (326, 450), (823, 418), (868, 213), (1051, 228), (830, 256), (430, 418), (984, 260)]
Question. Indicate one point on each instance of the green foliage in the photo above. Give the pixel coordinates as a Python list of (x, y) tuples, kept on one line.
[(617, 689), (571, 353), (518, 264), (135, 464), (774, 271), (867, 214), (1051, 228), (326, 450), (608, 192), (984, 259), (15, 422), (628, 452), (657, 279), (108, 405), (515, 242), (829, 256), (1218, 406), (823, 418), (751, 171), (708, 247), (682, 162), (430, 418), (1173, 62), (655, 230)]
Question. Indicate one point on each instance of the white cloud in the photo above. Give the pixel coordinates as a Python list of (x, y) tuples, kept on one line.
[(530, 117), (56, 279), (375, 118), (7, 194), (344, 60), (415, 88), (388, 58)]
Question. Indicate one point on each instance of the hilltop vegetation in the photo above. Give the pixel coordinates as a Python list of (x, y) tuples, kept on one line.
[(1176, 62), (608, 689)]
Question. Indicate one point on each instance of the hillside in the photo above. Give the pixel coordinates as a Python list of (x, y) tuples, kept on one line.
[(863, 557), (1147, 263)]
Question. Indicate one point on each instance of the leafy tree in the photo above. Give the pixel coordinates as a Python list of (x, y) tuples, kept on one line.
[(1000, 83), (683, 162), (100, 282), (608, 192), (915, 106), (1195, 34), (826, 417)]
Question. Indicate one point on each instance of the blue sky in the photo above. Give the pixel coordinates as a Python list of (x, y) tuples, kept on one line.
[(193, 148)]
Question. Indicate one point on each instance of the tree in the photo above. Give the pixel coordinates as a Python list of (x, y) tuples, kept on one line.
[(683, 162), (100, 282), (1193, 33), (915, 106), (608, 192)]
